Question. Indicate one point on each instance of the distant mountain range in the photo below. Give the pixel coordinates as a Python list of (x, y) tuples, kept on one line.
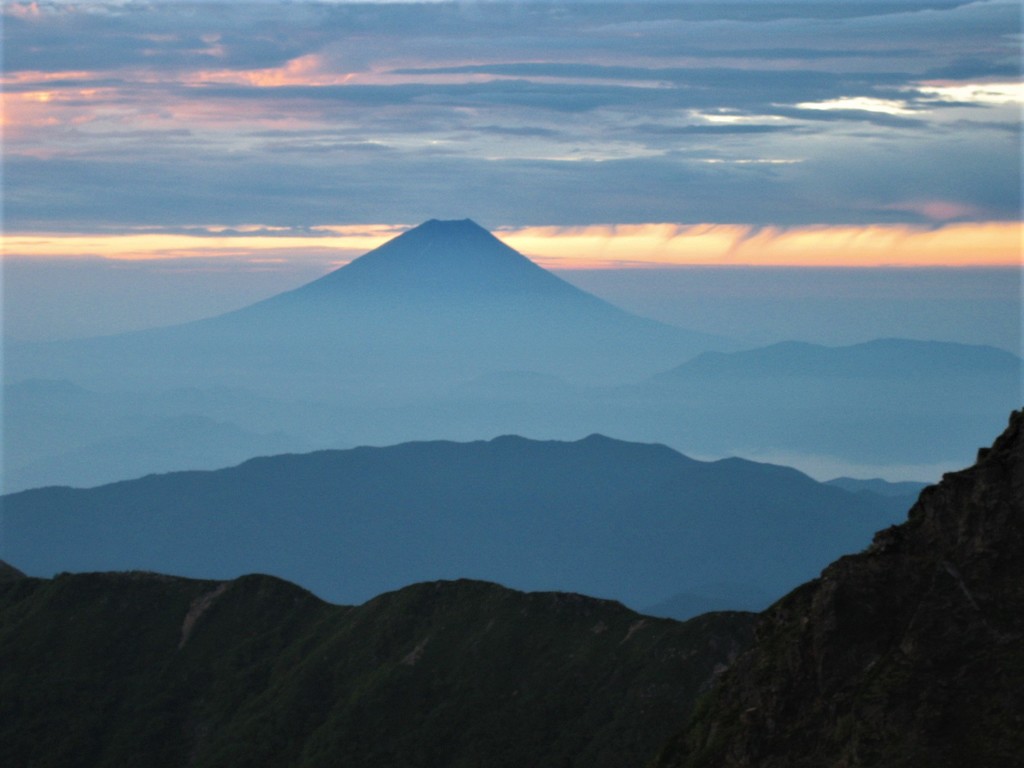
[(56, 432), (909, 653), (878, 486), (446, 333), (632, 522), (878, 359), (441, 303), (884, 402), (822, 414)]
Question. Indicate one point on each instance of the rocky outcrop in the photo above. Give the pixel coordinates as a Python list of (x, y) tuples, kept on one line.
[(908, 654)]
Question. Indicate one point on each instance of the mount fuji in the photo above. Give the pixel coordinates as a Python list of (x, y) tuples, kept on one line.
[(445, 332), (443, 302)]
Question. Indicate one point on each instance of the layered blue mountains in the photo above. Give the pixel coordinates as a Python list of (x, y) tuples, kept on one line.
[(906, 653), (637, 523), (447, 333), (440, 507), (443, 302)]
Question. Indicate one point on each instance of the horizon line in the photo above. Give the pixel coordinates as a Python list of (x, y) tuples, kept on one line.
[(562, 247)]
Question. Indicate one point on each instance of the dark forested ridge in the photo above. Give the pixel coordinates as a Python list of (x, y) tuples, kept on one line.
[(138, 669), (909, 654)]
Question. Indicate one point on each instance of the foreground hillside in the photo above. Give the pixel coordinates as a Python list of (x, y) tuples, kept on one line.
[(636, 523), (909, 654), (137, 669)]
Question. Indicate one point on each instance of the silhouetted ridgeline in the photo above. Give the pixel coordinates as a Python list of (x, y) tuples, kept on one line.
[(909, 654), (446, 332), (440, 303), (137, 669), (632, 522), (879, 402)]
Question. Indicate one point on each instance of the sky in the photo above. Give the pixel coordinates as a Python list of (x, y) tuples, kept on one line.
[(286, 138)]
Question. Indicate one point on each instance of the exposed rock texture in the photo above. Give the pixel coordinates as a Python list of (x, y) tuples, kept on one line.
[(908, 654)]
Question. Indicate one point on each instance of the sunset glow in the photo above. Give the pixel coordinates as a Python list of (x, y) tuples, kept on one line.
[(747, 174), (597, 246), (287, 139), (953, 245)]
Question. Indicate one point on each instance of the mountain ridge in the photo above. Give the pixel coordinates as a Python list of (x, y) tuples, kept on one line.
[(436, 252), (600, 516), (443, 302), (164, 671), (877, 357), (908, 653)]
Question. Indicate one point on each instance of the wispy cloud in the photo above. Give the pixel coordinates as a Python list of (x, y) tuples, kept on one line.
[(578, 247), (298, 114)]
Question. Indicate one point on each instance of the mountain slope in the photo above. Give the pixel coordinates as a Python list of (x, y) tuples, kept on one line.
[(877, 486), (443, 302), (878, 403), (57, 433), (163, 671), (911, 653), (445, 332), (186, 441), (881, 358), (628, 521), (439, 261)]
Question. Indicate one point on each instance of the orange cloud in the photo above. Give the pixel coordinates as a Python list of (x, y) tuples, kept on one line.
[(23, 10), (45, 106), (604, 246), (311, 69), (878, 245), (251, 243)]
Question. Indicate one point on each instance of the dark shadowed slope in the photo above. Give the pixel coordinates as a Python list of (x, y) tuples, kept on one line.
[(637, 523), (160, 671), (443, 302), (909, 654)]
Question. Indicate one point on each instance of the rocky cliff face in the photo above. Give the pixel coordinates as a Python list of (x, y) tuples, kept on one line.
[(908, 654)]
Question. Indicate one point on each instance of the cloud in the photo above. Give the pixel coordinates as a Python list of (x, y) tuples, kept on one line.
[(588, 246), (715, 129), (101, 36), (771, 113), (990, 244)]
